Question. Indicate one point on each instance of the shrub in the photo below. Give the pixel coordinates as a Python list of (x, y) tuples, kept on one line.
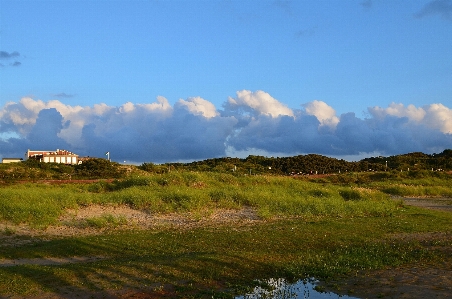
[(130, 182), (180, 200), (149, 167), (218, 195), (98, 168), (226, 178), (349, 194), (162, 181), (97, 187)]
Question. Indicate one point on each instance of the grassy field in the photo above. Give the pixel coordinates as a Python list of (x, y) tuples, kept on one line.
[(41, 204), (323, 228)]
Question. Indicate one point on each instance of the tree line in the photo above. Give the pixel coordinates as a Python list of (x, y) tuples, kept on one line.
[(312, 164)]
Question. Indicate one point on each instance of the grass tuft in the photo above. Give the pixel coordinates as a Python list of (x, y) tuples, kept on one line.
[(105, 221)]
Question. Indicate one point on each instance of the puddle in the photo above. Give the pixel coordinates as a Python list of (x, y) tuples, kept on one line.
[(280, 289)]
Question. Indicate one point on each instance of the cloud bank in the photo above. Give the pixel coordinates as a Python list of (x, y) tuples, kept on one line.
[(194, 129)]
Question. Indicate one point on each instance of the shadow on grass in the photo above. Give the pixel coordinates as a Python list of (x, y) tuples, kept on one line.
[(201, 274), (222, 260)]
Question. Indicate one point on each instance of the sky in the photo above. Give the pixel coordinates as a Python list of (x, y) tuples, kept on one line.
[(172, 81)]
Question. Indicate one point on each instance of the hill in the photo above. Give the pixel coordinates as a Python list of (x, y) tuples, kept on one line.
[(313, 164), (310, 164)]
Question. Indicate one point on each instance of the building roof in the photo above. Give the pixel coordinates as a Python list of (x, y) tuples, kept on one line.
[(47, 153)]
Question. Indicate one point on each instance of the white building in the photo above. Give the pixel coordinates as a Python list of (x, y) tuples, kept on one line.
[(58, 156), (11, 160)]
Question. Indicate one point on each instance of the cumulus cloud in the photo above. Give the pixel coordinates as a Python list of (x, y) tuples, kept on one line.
[(257, 103), (442, 8), (198, 106), (324, 113), (194, 129), (434, 116), (158, 132)]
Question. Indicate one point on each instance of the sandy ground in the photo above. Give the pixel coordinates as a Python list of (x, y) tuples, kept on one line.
[(74, 223), (420, 281)]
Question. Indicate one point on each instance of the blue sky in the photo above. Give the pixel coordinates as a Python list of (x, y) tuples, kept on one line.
[(233, 66)]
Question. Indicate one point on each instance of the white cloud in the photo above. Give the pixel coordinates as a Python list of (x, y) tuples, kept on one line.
[(435, 116), (399, 110), (127, 107), (252, 122), (258, 102), (198, 106), (324, 113), (439, 117), (162, 105)]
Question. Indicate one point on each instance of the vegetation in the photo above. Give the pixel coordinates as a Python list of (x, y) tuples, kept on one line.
[(222, 261), (311, 226), (312, 164), (271, 196), (96, 168), (396, 183), (33, 170)]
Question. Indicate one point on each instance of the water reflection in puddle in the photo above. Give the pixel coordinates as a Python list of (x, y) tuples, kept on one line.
[(280, 289)]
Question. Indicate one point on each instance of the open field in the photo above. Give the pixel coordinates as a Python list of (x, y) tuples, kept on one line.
[(204, 235)]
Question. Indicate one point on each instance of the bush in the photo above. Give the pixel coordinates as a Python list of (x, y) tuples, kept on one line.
[(348, 194), (128, 183), (98, 168), (149, 167)]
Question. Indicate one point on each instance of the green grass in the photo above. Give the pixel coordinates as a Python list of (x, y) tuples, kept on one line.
[(40, 205), (413, 183), (313, 229), (225, 259), (105, 221)]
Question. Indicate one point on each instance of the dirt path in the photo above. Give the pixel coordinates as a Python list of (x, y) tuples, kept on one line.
[(440, 203)]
